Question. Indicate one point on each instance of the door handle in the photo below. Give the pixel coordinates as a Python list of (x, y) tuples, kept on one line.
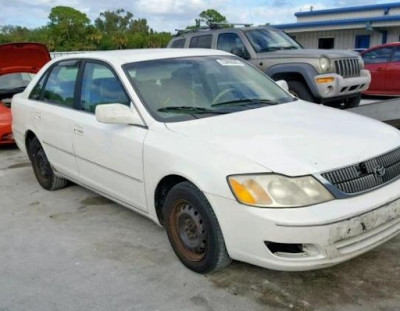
[(78, 130), (380, 69)]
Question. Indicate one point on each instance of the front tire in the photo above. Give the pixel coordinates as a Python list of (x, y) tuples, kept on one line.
[(300, 90), (42, 168), (193, 229)]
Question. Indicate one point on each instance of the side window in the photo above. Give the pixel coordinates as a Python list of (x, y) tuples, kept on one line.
[(180, 43), (37, 90), (381, 55), (228, 41), (101, 86), (396, 55), (203, 42), (60, 86)]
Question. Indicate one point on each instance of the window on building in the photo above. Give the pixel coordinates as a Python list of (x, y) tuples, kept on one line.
[(203, 42), (362, 42), (326, 43)]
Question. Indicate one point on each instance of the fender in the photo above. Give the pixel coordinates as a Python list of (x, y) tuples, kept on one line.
[(305, 70)]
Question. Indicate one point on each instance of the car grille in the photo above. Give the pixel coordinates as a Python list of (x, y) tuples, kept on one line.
[(347, 67), (366, 175)]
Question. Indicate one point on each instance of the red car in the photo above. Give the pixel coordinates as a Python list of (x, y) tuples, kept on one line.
[(18, 64), (383, 61)]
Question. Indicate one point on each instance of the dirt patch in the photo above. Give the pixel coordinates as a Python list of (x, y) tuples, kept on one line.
[(19, 165), (375, 274), (97, 200)]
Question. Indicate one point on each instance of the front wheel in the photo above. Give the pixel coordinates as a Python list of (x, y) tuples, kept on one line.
[(193, 229), (42, 168), (300, 90)]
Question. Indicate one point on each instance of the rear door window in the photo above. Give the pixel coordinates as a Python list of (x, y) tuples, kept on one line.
[(203, 42), (60, 86), (180, 43)]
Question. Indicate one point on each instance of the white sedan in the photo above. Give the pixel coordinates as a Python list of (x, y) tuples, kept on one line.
[(206, 145)]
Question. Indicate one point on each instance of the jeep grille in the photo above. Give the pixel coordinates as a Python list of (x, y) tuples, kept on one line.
[(347, 67)]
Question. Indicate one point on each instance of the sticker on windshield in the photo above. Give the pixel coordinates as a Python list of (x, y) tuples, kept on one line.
[(230, 62)]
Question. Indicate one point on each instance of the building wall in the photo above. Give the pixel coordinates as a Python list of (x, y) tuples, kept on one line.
[(344, 39), (351, 15)]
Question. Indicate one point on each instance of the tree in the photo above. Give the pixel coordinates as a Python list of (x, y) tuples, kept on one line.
[(115, 26), (212, 16), (69, 28)]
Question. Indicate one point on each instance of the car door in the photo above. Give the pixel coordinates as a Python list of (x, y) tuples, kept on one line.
[(231, 41), (376, 61), (393, 73), (109, 156), (53, 114)]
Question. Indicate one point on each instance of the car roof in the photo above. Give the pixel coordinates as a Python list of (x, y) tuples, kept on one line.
[(381, 46), (120, 57), (201, 31)]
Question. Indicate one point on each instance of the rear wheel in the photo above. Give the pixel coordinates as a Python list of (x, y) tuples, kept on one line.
[(300, 90), (193, 229), (42, 168)]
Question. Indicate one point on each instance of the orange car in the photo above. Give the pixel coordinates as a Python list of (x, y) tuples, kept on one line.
[(18, 64)]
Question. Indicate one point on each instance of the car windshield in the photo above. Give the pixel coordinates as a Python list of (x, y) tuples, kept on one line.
[(12, 81), (187, 88), (268, 39)]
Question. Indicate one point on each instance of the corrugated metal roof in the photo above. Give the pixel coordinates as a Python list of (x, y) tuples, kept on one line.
[(349, 9), (339, 22)]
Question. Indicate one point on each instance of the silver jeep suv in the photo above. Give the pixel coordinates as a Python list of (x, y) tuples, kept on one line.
[(331, 77)]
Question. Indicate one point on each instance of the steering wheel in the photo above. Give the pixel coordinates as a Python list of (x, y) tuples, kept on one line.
[(221, 94)]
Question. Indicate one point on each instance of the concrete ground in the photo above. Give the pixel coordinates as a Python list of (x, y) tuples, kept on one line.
[(74, 250)]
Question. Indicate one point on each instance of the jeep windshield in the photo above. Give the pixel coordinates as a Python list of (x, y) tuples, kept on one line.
[(181, 89), (269, 39)]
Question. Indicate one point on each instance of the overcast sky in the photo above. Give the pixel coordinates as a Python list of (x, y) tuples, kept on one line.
[(171, 14)]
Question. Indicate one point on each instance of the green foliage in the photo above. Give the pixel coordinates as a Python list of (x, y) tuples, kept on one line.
[(212, 16), (71, 30)]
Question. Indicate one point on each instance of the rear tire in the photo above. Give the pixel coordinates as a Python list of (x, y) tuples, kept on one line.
[(300, 90), (41, 167), (193, 229)]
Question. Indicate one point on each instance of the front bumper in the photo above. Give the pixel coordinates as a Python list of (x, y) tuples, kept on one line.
[(6, 136), (329, 233), (342, 87)]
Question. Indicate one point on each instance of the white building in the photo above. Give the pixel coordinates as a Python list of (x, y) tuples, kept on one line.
[(346, 28)]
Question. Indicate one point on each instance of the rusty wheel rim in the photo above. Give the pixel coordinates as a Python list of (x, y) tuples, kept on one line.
[(188, 230)]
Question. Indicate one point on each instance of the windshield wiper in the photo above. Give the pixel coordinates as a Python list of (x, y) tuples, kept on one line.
[(246, 102), (189, 109)]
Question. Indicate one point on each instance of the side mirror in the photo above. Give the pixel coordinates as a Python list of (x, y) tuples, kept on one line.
[(283, 84), (240, 53), (117, 114)]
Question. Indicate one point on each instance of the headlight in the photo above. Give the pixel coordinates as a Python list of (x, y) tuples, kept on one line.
[(324, 64), (361, 62), (271, 190)]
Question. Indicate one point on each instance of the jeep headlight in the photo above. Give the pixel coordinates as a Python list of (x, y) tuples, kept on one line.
[(361, 62), (324, 64), (272, 190)]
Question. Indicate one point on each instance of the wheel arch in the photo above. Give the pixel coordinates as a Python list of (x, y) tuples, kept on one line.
[(162, 189), (300, 72), (29, 135)]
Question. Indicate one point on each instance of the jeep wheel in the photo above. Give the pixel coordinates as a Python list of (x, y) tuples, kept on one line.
[(300, 90), (352, 102)]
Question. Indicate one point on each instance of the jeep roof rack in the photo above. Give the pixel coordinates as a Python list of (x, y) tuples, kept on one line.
[(210, 26)]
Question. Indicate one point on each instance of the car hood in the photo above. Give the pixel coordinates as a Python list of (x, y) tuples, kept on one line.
[(294, 139), (309, 53), (22, 57)]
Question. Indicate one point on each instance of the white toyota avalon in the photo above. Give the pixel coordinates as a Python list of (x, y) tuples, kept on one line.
[(206, 145)]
